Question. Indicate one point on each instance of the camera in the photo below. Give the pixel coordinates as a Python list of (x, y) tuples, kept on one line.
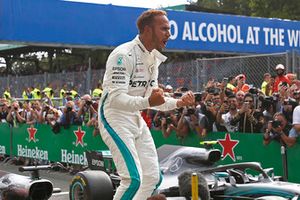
[(168, 120), (211, 90), (273, 134), (88, 103), (253, 90), (198, 96), (69, 109), (266, 102), (275, 123), (15, 108), (190, 111), (177, 94)]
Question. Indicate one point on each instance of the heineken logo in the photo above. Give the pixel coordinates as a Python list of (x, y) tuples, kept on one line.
[(2, 150), (228, 146), (79, 137), (72, 157), (31, 134), (24, 151)]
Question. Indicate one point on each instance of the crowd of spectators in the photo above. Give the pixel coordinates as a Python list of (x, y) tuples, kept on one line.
[(228, 105), (233, 105), (40, 107)]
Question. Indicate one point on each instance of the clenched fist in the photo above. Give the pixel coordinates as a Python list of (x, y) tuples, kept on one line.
[(157, 97), (187, 99)]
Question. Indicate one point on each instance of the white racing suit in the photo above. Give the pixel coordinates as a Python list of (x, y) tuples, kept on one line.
[(131, 73)]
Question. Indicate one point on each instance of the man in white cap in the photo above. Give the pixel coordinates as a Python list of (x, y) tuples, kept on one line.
[(281, 77)]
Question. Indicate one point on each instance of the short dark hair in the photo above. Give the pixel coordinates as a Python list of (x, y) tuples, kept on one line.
[(146, 18), (231, 96), (248, 95), (230, 78)]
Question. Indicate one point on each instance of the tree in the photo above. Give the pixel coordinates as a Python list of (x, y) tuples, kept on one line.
[(285, 9)]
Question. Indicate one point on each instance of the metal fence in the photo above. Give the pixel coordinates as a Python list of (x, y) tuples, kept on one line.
[(83, 81), (252, 66), (192, 74)]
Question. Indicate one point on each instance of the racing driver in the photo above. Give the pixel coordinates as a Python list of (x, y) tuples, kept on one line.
[(129, 86)]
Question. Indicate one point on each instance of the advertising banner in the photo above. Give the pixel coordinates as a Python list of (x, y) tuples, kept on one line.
[(70, 146), (4, 139)]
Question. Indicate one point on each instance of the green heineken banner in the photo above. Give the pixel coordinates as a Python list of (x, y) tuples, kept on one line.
[(4, 139), (69, 145)]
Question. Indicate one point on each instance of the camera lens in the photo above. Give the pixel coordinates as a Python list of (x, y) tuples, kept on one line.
[(89, 103), (276, 123)]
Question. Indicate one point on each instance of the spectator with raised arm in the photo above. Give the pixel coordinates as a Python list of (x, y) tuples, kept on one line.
[(86, 110), (279, 130), (226, 113), (249, 119), (14, 115), (69, 116)]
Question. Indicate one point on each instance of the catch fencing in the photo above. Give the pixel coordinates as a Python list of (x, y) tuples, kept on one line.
[(192, 74), (196, 73)]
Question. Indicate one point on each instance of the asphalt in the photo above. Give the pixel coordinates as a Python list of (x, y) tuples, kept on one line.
[(59, 179)]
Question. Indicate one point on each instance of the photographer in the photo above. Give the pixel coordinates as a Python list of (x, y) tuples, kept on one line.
[(249, 119), (295, 131), (268, 107), (29, 114), (86, 110), (210, 108), (69, 116), (287, 108), (192, 120), (14, 114), (227, 111), (169, 123), (277, 130)]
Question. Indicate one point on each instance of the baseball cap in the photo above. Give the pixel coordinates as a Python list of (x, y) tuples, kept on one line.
[(241, 76), (169, 87), (279, 66)]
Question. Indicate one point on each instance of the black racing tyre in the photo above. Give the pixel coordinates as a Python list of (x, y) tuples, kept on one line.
[(91, 185)]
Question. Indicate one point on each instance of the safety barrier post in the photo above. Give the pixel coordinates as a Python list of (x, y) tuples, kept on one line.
[(195, 195)]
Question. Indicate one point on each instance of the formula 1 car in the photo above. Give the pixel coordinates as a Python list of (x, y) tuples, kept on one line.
[(233, 181), (18, 187)]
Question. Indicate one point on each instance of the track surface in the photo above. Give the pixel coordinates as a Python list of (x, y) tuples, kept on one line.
[(59, 179)]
